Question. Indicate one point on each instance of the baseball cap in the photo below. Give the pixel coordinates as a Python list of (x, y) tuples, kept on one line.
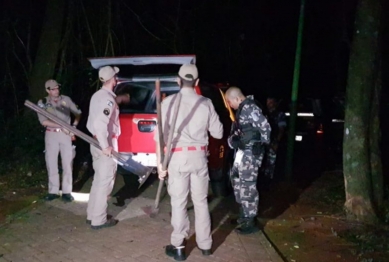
[(188, 72), (51, 83), (107, 72)]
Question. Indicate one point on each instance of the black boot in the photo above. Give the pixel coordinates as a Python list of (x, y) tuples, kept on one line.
[(238, 221), (247, 227), (178, 253)]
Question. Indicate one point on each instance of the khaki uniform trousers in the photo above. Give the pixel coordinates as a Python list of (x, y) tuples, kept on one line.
[(189, 172), (103, 182), (55, 143)]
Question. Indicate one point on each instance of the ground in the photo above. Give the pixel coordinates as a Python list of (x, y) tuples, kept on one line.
[(305, 223), (314, 228)]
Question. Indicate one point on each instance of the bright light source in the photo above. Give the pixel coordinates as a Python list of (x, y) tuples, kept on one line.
[(81, 197), (301, 114), (299, 138), (337, 121), (319, 131)]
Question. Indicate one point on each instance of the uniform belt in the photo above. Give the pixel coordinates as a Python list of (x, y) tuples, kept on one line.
[(189, 148), (113, 136), (54, 129)]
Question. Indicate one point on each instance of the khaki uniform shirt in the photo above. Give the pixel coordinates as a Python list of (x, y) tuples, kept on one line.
[(103, 119), (196, 116), (60, 107)]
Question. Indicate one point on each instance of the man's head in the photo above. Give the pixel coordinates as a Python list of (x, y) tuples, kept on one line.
[(107, 75), (123, 99), (234, 97), (271, 103), (188, 76), (52, 88)]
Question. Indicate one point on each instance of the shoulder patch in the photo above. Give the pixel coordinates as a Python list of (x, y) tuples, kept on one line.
[(255, 115), (106, 111), (109, 103)]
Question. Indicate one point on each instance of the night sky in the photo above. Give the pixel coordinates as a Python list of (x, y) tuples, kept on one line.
[(250, 44)]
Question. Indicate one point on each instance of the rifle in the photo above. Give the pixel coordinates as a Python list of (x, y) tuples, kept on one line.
[(127, 163)]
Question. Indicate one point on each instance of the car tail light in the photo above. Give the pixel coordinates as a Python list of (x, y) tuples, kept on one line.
[(146, 126), (320, 130)]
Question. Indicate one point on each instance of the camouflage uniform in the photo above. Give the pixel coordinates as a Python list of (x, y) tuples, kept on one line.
[(249, 155), (277, 120)]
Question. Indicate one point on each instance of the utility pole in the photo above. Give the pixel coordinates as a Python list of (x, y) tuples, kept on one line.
[(295, 86)]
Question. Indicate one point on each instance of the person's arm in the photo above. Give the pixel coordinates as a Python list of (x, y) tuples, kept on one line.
[(49, 123), (76, 111), (214, 124), (100, 125), (260, 122)]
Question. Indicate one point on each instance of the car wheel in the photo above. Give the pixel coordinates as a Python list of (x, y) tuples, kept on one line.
[(220, 180)]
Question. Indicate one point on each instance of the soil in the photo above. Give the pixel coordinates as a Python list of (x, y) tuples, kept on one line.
[(310, 225)]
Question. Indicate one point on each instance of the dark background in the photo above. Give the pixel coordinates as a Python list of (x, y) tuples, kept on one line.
[(249, 43)]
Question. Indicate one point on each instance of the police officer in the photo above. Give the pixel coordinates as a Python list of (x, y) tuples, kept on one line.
[(188, 168), (103, 124), (58, 140), (277, 122), (251, 131)]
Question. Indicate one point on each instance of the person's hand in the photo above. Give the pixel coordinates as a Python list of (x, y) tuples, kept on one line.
[(65, 131), (108, 151), (161, 173), (233, 141)]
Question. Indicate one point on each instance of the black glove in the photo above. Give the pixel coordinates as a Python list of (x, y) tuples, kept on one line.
[(233, 141)]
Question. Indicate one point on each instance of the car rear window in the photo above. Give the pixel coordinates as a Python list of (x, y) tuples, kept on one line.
[(142, 95)]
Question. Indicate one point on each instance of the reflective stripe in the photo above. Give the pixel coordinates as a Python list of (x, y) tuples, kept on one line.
[(189, 148)]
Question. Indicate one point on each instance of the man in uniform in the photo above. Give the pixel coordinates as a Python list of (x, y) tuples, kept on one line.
[(251, 132), (188, 168), (103, 124), (58, 140), (277, 122)]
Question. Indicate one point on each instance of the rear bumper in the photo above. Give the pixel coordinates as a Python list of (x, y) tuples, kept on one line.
[(146, 159)]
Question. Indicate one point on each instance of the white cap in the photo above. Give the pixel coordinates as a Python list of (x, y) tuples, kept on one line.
[(107, 72)]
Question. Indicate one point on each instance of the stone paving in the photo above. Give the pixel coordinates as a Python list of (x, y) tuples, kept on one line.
[(56, 231)]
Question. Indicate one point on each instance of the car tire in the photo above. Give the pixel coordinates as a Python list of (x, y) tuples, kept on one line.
[(220, 180)]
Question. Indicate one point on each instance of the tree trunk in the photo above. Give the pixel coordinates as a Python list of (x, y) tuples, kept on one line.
[(362, 76), (377, 178), (48, 48)]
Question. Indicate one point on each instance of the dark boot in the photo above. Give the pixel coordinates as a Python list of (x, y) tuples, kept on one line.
[(50, 197), (238, 221), (67, 198), (247, 227), (178, 253)]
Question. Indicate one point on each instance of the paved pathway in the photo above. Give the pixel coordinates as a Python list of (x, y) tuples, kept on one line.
[(57, 231)]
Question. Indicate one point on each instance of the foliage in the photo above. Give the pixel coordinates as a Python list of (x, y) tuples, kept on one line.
[(22, 161)]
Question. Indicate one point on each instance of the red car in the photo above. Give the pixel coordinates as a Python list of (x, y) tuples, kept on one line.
[(138, 118)]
